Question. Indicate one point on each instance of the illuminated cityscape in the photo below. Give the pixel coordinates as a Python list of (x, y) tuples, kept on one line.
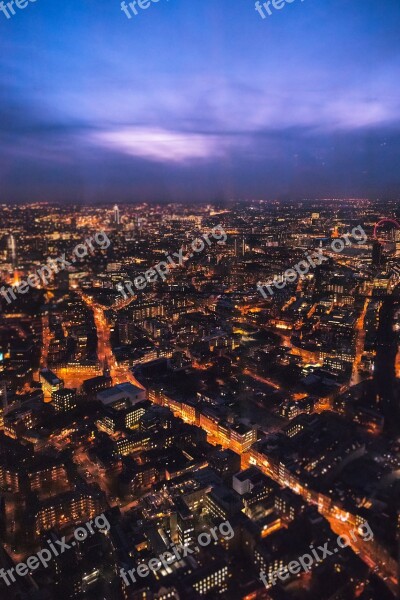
[(199, 399), (199, 300)]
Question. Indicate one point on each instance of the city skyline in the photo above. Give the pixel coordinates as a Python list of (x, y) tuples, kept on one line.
[(173, 426), (199, 300)]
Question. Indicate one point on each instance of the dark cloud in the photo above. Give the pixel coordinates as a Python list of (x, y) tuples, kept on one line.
[(92, 106)]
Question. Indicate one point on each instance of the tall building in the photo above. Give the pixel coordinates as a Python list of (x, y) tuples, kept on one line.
[(377, 253), (185, 523), (384, 370), (12, 248), (117, 217)]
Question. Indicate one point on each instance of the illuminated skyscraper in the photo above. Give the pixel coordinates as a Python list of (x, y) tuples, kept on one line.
[(12, 248), (117, 219)]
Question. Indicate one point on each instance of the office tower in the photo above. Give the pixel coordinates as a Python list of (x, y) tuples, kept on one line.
[(384, 370), (12, 249), (185, 523), (117, 220), (64, 400), (377, 253)]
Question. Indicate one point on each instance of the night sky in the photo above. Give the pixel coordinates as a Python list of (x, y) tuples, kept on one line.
[(199, 100)]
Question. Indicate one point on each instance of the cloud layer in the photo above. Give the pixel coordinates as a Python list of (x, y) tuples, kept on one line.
[(199, 101)]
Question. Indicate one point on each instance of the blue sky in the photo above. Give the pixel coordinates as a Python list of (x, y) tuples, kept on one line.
[(199, 99)]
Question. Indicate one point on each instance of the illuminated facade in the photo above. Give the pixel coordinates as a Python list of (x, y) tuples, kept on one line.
[(64, 400), (9, 479), (50, 383), (45, 476), (132, 444), (68, 508), (214, 578)]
